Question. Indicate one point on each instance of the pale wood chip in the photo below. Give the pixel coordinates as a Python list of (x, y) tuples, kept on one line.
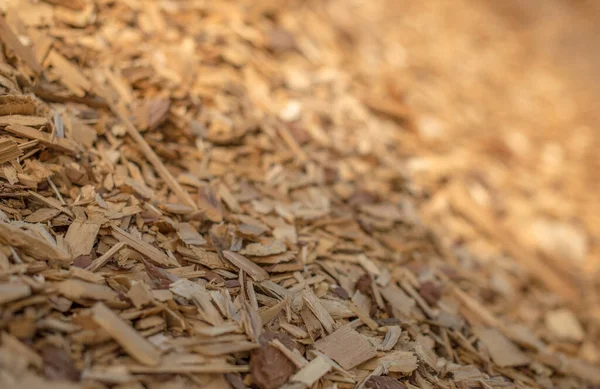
[(18, 348), (204, 257), (131, 341), (563, 324), (312, 372), (86, 275), (188, 234), (24, 130), (101, 260), (23, 52), (23, 121), (81, 236), (398, 299), (363, 316), (314, 304), (395, 361), (503, 352), (51, 202), (31, 245), (257, 273), (262, 250), (9, 150), (391, 338), (293, 330), (347, 347), (140, 294), (76, 289), (13, 291), (42, 215), (69, 74)]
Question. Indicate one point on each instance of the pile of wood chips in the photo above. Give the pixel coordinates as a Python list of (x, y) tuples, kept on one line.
[(195, 194)]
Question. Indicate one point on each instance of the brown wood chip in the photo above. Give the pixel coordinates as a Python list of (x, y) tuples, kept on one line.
[(347, 347), (256, 272), (131, 341)]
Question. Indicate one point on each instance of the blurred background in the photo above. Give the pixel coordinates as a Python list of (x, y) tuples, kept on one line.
[(504, 96)]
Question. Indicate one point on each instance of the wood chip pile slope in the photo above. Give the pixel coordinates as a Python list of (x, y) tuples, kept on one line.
[(194, 194)]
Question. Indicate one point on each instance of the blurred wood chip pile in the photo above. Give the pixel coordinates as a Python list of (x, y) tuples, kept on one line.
[(194, 194)]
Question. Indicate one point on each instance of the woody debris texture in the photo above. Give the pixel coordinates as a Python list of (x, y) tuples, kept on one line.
[(263, 194)]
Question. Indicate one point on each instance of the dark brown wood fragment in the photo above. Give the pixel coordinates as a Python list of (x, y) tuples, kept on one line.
[(269, 367)]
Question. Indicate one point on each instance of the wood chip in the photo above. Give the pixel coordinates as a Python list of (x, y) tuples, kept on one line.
[(313, 303), (189, 235), (69, 74), (347, 347), (564, 325), (101, 260), (76, 290), (13, 42), (503, 352), (395, 361), (13, 291), (257, 273), (260, 250), (131, 341), (144, 248), (9, 150), (312, 372), (81, 236), (391, 338), (31, 245), (44, 138)]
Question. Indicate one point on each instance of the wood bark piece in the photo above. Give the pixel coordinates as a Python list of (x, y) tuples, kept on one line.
[(269, 367), (131, 341), (347, 347), (257, 273), (33, 246)]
